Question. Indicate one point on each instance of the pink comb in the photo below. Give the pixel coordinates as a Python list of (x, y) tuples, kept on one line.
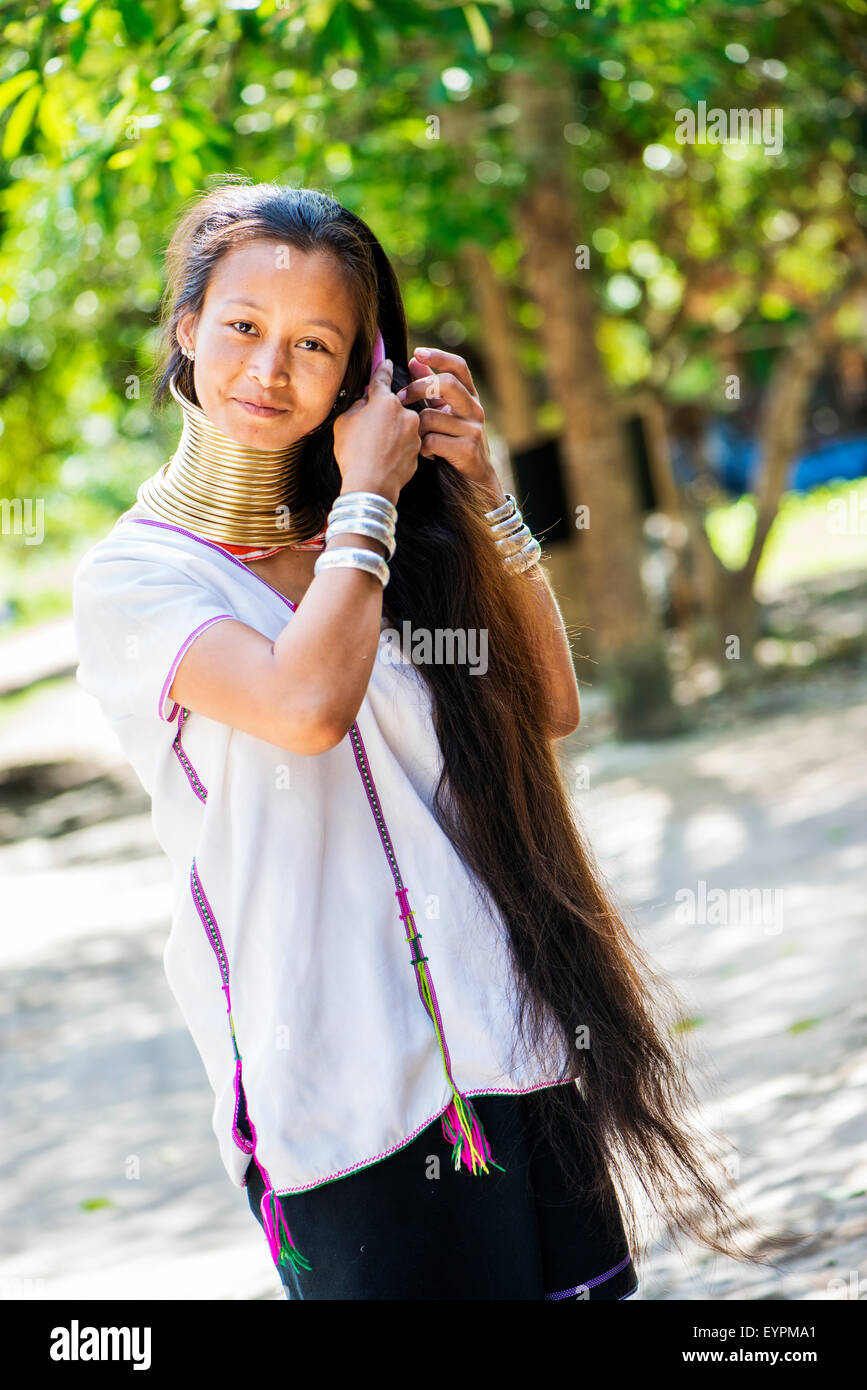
[(378, 354)]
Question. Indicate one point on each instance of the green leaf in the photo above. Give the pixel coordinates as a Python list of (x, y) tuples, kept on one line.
[(137, 22), (478, 27), (19, 123), (366, 34), (95, 1203), (320, 13), (803, 1024), (54, 121), (11, 89), (332, 38)]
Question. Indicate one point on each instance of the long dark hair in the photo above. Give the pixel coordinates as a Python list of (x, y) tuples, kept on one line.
[(581, 981)]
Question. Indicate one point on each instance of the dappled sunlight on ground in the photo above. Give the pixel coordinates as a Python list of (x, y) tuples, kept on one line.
[(112, 1182), (742, 861)]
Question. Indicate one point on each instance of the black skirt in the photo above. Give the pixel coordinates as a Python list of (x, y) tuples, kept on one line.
[(395, 1230)]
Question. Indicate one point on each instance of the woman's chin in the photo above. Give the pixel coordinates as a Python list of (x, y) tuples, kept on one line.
[(276, 432)]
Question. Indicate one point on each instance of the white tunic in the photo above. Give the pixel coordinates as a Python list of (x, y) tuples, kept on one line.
[(287, 922)]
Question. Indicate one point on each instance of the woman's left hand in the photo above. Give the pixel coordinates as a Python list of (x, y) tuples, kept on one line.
[(452, 425)]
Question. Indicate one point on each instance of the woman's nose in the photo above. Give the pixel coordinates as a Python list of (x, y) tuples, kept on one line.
[(269, 366)]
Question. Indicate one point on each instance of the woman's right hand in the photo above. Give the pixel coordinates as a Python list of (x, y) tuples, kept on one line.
[(376, 441)]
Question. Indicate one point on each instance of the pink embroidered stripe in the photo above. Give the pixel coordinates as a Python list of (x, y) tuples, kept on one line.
[(591, 1283), (280, 1243), (167, 684), (193, 777)]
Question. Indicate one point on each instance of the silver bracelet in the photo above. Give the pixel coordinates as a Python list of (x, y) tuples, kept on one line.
[(377, 513), (348, 555), (363, 509), (355, 524), (364, 514), (507, 508), (363, 499), (524, 558), (515, 542)]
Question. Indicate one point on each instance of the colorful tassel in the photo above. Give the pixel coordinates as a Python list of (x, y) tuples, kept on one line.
[(461, 1125), (280, 1243), (463, 1129)]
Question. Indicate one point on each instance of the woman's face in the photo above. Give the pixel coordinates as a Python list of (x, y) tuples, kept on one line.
[(276, 328)]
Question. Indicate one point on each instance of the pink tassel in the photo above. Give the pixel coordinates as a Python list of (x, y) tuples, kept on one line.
[(464, 1132), (279, 1237)]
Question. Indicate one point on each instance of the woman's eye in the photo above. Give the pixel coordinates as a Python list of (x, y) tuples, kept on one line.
[(239, 323)]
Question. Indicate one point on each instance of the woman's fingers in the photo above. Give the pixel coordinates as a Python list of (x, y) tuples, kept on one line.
[(441, 390)]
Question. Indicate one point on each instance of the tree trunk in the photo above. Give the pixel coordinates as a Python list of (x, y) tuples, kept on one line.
[(627, 641), (514, 411), (625, 633), (783, 418), (669, 503), (781, 429), (515, 414)]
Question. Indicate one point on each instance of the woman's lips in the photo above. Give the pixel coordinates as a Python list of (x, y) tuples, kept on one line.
[(264, 411)]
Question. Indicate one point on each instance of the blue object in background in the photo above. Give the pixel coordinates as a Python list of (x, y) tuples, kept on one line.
[(841, 458), (734, 460)]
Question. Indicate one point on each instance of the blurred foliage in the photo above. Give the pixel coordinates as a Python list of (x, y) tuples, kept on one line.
[(113, 115), (802, 544)]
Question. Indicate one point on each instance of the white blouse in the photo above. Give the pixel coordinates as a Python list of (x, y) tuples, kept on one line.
[(299, 881)]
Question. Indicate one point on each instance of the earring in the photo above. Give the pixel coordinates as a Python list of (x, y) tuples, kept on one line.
[(188, 352)]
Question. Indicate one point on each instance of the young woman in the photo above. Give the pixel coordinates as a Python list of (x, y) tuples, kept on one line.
[(432, 1043)]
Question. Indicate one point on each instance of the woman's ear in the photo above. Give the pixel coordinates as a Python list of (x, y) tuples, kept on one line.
[(186, 328)]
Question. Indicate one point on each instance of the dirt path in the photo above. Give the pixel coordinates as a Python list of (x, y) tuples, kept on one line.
[(111, 1183)]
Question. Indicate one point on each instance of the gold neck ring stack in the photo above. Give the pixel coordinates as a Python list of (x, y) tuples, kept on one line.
[(229, 492)]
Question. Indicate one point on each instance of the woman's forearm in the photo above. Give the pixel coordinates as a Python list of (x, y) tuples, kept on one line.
[(555, 654)]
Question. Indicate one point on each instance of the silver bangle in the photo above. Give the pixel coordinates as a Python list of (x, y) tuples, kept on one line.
[(373, 499), (508, 526), (363, 510), (523, 559), (515, 542), (505, 509), (354, 524), (348, 555)]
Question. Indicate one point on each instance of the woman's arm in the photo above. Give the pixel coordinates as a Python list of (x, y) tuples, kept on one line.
[(555, 652), (455, 431)]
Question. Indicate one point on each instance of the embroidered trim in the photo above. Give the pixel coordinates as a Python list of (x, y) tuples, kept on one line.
[(590, 1283), (461, 1125), (283, 1251), (209, 922), (402, 1143), (167, 718), (212, 545), (193, 777), (406, 915)]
